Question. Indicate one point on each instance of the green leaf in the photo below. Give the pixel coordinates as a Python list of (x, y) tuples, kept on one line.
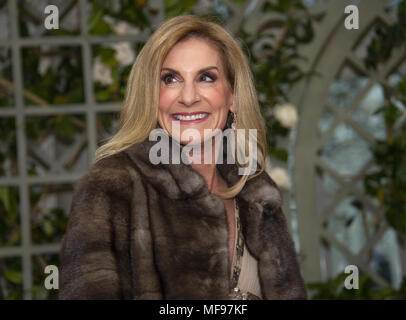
[(110, 61), (102, 95), (97, 25), (379, 110), (65, 128), (61, 99), (176, 7), (280, 154), (95, 19), (48, 228), (392, 114), (14, 276), (32, 172), (396, 218), (106, 53), (16, 236), (40, 293), (62, 32), (402, 85), (5, 198)]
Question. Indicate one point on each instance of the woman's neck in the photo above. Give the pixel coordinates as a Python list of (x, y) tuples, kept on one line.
[(208, 170), (209, 174)]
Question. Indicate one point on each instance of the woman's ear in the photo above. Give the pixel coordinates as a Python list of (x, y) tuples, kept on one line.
[(231, 103)]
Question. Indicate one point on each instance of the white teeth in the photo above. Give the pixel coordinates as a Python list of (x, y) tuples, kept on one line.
[(190, 118)]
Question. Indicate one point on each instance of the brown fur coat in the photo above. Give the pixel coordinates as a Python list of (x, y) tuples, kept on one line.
[(143, 231)]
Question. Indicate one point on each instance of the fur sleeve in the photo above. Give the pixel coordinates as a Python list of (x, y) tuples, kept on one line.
[(287, 280), (93, 248)]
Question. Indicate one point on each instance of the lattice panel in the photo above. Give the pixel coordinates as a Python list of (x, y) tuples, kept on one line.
[(350, 225), (51, 126)]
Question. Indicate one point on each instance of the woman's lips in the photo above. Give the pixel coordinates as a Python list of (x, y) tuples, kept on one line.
[(190, 118)]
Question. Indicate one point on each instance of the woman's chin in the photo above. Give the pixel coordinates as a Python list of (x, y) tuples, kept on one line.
[(193, 141)]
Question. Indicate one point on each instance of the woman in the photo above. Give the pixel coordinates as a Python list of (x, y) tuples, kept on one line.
[(141, 230)]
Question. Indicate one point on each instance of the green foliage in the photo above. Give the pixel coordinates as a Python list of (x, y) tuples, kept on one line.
[(334, 289), (63, 127), (11, 279), (10, 234), (96, 25), (51, 227), (14, 276), (387, 182), (174, 8), (387, 38), (39, 292), (131, 11), (9, 142), (61, 82), (60, 85), (278, 72), (6, 94), (102, 13)]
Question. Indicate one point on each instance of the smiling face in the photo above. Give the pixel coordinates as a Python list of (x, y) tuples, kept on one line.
[(194, 91)]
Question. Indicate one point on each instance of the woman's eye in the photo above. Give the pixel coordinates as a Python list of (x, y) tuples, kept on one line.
[(168, 78), (208, 77)]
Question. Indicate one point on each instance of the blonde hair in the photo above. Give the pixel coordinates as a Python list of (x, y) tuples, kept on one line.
[(140, 111)]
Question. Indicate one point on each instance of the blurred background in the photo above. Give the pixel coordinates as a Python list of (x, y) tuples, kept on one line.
[(333, 99)]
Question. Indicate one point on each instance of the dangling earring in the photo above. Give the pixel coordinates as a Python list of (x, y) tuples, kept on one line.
[(233, 124)]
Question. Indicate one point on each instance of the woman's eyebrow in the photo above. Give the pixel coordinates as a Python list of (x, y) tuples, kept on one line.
[(198, 72)]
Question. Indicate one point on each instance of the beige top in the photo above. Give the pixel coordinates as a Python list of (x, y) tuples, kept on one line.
[(249, 279), (245, 266)]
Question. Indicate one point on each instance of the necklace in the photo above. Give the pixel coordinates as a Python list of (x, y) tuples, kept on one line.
[(238, 250)]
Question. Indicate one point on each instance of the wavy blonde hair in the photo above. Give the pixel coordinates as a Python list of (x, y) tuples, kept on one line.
[(140, 111)]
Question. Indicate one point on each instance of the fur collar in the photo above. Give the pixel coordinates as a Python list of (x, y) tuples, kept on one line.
[(263, 223), (180, 181)]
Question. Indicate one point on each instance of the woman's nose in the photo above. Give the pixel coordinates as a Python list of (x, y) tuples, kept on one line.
[(189, 94)]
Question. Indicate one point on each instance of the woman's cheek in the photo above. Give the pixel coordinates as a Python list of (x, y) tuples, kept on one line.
[(216, 97), (164, 100)]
